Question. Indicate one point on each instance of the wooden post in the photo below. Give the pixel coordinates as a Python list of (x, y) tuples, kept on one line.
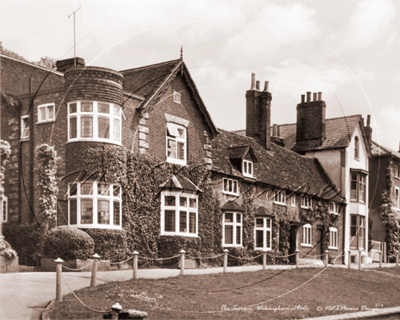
[(264, 259), (96, 258), (297, 257), (58, 279), (135, 264), (225, 260), (182, 252), (326, 258), (380, 259), (349, 260), (397, 258), (359, 259), (384, 253), (116, 309)]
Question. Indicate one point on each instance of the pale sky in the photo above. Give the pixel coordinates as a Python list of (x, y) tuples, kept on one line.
[(349, 50)]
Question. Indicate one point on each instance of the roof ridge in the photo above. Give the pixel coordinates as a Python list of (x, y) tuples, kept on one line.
[(32, 64), (327, 119), (149, 66)]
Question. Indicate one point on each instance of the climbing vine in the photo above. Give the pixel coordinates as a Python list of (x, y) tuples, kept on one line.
[(5, 151)]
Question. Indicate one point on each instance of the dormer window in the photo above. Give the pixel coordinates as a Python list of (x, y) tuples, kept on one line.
[(306, 202), (176, 144), (356, 148), (280, 197), (247, 169), (332, 207)]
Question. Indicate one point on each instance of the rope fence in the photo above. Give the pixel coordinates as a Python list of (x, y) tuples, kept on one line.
[(79, 269)]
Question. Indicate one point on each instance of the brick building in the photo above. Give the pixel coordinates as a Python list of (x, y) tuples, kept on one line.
[(275, 198)]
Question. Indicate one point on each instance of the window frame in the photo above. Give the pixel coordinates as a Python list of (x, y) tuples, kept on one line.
[(23, 127), (95, 115), (280, 197), (360, 184), (306, 239), (46, 106), (359, 230), (177, 97), (356, 148), (95, 197), (178, 208), (396, 200), (234, 225), (333, 210), (169, 136), (4, 209), (246, 164), (234, 182), (396, 171), (293, 200), (333, 238), (265, 230), (306, 202)]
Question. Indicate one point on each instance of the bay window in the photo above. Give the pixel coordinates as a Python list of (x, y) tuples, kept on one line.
[(357, 231), (232, 229), (94, 121), (94, 205), (179, 214), (263, 234), (358, 186)]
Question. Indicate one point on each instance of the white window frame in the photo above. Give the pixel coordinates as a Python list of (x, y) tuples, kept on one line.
[(396, 198), (306, 236), (230, 184), (94, 196), (361, 186), (247, 168), (46, 107), (396, 171), (4, 209), (234, 225), (173, 137), (333, 207), (265, 229), (280, 197), (306, 202), (333, 238), (177, 208), (23, 127), (177, 97), (293, 200), (96, 115)]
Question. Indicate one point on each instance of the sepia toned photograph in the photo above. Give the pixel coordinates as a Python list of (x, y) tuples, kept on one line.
[(199, 159)]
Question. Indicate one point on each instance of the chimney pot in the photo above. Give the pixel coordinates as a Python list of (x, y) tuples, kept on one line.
[(302, 98), (314, 96), (266, 86), (253, 81), (308, 96), (319, 96), (258, 85)]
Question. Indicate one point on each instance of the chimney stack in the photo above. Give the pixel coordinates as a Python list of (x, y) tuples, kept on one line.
[(258, 113), (64, 65), (310, 126), (368, 131)]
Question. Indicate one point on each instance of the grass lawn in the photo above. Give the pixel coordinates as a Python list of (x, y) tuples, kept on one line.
[(192, 297)]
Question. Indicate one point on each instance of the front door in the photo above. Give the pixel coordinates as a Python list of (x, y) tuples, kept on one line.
[(293, 243)]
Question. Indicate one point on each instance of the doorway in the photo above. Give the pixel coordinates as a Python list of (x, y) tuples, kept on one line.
[(318, 248)]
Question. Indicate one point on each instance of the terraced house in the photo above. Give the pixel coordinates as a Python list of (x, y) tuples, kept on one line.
[(267, 192)]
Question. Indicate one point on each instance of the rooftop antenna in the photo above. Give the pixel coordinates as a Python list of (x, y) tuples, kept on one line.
[(74, 34)]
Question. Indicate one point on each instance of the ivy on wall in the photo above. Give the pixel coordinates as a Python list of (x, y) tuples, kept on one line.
[(5, 152), (388, 216)]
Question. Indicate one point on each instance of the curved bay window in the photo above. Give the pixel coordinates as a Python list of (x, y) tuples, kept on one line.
[(94, 205), (94, 121)]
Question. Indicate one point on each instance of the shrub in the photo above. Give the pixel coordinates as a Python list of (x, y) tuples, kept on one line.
[(109, 244), (169, 246), (68, 243), (25, 240)]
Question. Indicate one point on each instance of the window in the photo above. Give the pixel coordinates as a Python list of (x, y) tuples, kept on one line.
[(46, 112), (357, 231), (293, 200), (306, 202), (177, 97), (25, 127), (95, 205), (356, 148), (176, 143), (357, 188), (280, 197), (263, 234), (396, 198), (247, 168), (333, 207), (232, 230), (231, 186), (396, 171), (4, 209), (94, 121), (333, 238), (307, 234), (179, 214)]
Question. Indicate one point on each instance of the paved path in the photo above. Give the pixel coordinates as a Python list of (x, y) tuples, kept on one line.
[(24, 295)]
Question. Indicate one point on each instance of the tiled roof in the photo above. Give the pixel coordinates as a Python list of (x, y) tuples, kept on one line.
[(144, 81), (378, 150), (241, 152), (181, 183), (338, 132), (232, 205), (278, 167)]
